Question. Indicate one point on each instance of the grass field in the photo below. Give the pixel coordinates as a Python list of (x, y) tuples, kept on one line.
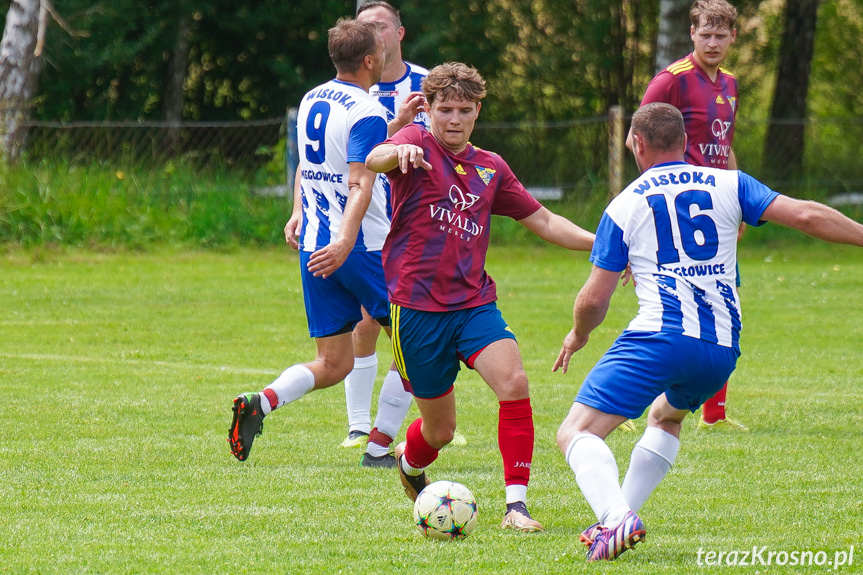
[(118, 371)]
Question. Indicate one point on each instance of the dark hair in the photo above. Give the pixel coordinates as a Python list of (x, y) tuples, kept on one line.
[(660, 125), (718, 13), (386, 6), (350, 41), (453, 79)]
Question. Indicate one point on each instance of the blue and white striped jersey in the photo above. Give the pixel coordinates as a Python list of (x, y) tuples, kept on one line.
[(677, 227), (392, 94), (338, 123)]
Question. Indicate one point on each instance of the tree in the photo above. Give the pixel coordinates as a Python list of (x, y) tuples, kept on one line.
[(784, 145), (19, 72), (673, 40)]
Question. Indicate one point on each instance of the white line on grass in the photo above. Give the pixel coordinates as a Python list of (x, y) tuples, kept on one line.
[(118, 360)]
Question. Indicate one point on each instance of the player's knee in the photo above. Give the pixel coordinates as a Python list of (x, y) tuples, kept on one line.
[(334, 369), (441, 436), (564, 436), (514, 387)]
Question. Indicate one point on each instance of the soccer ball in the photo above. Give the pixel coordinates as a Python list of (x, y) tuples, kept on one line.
[(445, 510)]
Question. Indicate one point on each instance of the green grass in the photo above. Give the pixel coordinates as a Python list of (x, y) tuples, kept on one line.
[(118, 370), (98, 206)]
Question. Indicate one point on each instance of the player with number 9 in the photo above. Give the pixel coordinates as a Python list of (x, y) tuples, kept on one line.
[(339, 224)]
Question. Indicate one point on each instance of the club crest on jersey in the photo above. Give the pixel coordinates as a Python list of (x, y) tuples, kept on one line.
[(732, 101), (460, 200), (459, 170), (486, 174)]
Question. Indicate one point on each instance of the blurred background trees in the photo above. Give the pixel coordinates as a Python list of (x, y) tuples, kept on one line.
[(544, 59)]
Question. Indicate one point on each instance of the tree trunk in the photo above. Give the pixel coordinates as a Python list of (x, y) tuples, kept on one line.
[(174, 87), (673, 41), (784, 145), (19, 73)]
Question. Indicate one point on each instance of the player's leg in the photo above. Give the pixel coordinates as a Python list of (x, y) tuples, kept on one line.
[(425, 355), (332, 311), (332, 363), (490, 348), (702, 368), (394, 402), (360, 382), (581, 440), (654, 454), (627, 379), (424, 439)]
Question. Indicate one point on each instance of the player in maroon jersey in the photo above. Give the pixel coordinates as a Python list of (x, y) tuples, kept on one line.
[(442, 301), (706, 95)]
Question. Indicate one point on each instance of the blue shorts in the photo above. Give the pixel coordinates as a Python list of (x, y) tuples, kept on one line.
[(428, 346), (333, 304), (641, 366)]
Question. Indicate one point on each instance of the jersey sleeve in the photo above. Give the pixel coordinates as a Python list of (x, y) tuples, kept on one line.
[(754, 198), (512, 199), (410, 134), (662, 88), (609, 251), (365, 135)]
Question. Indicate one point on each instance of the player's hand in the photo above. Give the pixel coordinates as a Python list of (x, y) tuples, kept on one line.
[(408, 110), (292, 231), (571, 344), (626, 276), (411, 156), (324, 262)]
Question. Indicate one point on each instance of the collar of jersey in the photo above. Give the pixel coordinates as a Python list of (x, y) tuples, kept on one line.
[(668, 164), (343, 83)]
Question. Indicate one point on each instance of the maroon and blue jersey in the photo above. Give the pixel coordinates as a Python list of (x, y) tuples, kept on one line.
[(434, 254), (708, 109)]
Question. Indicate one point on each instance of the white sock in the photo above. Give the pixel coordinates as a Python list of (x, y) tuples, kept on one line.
[(408, 469), (516, 493), (652, 457), (393, 405), (295, 382), (597, 476), (358, 392)]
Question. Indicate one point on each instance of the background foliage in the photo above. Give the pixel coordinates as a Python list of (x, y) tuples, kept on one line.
[(544, 59)]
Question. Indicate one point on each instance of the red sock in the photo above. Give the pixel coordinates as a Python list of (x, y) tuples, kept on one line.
[(515, 438), (418, 453), (714, 408), (380, 438)]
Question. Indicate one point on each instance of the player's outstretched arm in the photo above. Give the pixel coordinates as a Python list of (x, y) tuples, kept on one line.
[(386, 157), (815, 219), (558, 230), (589, 311)]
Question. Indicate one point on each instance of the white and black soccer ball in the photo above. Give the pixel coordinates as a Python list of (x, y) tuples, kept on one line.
[(445, 510)]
